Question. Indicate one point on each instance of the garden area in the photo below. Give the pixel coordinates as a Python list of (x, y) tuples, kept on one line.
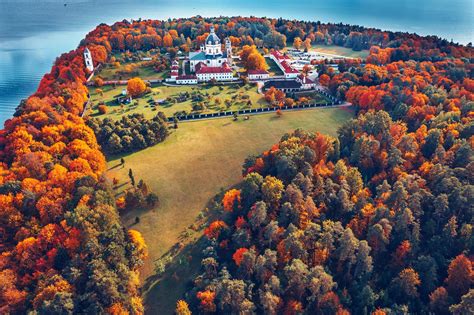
[(172, 100)]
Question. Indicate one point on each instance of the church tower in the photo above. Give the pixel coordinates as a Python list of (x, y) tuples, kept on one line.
[(213, 44), (228, 50), (88, 60)]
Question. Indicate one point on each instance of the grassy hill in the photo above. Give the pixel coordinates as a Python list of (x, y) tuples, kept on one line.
[(186, 170)]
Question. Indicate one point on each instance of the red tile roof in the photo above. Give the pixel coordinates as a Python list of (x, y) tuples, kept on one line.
[(257, 72), (288, 69), (204, 69), (279, 55), (186, 77)]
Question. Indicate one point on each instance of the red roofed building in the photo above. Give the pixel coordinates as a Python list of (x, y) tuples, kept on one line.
[(283, 63), (205, 73), (288, 70), (257, 75), (279, 56), (174, 71), (187, 79)]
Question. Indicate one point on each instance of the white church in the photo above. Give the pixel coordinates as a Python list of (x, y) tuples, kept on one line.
[(209, 63)]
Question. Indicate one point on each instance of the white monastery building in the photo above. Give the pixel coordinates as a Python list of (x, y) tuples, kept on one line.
[(255, 75), (211, 53), (209, 63), (205, 73)]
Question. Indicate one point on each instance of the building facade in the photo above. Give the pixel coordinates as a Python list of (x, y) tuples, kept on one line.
[(209, 63), (255, 75), (222, 73), (186, 79), (211, 53)]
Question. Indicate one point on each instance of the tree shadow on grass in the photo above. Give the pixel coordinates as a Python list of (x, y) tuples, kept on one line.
[(162, 291), (115, 166), (182, 264)]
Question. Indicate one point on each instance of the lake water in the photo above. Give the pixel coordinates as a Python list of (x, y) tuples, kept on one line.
[(33, 33)]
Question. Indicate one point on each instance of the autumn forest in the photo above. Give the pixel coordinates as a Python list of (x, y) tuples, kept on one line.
[(376, 220)]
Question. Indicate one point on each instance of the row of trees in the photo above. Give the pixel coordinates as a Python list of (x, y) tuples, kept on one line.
[(64, 249), (189, 34), (129, 134)]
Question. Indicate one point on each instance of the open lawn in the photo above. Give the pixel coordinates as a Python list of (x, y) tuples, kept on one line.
[(342, 51), (338, 51), (272, 67), (135, 69), (242, 95), (186, 170)]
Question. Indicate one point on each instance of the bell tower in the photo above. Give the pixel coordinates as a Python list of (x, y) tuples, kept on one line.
[(228, 50), (88, 60)]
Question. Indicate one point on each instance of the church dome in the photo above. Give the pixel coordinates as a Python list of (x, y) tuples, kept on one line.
[(212, 39)]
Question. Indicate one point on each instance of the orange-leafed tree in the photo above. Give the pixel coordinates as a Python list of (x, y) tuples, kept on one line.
[(214, 229), (168, 40), (439, 301), (460, 276), (324, 79), (400, 255), (239, 255), (252, 58), (139, 242), (136, 87), (182, 308), (11, 298), (231, 200), (207, 301)]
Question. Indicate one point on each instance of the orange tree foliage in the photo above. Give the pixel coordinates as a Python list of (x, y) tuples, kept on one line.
[(207, 301), (252, 58), (56, 214), (274, 97), (182, 308), (231, 200), (239, 255), (214, 229), (136, 87), (460, 276)]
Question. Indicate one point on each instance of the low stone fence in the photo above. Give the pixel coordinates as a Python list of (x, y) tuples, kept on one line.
[(252, 111)]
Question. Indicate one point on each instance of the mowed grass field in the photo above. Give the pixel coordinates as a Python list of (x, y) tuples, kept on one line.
[(272, 67), (187, 170), (342, 51), (337, 50), (140, 69)]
